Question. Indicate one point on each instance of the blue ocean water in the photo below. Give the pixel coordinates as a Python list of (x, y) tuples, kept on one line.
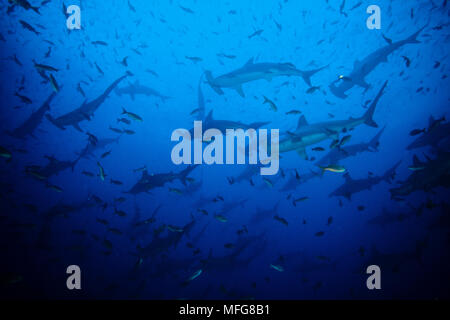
[(81, 186)]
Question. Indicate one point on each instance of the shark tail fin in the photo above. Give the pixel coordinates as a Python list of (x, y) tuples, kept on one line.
[(390, 174), (210, 80), (413, 37), (53, 121), (306, 75), (36, 9), (369, 113), (374, 143), (184, 174)]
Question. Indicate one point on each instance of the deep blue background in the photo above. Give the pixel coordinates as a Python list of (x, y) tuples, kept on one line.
[(313, 34)]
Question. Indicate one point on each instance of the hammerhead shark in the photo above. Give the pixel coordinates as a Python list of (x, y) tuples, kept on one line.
[(434, 136), (28, 127), (136, 88), (151, 181), (309, 134), (352, 186), (426, 176), (362, 68), (255, 71), (84, 112), (210, 123), (337, 154)]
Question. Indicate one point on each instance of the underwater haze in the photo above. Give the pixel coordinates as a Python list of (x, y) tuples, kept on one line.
[(88, 179)]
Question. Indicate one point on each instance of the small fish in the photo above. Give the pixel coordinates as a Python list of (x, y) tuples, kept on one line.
[(268, 182), (333, 168), (220, 218), (436, 64), (194, 59), (129, 132), (54, 83), (101, 171), (5, 153), (272, 105), (132, 115), (87, 173), (294, 202), (203, 211), (330, 221), (43, 67), (281, 220), (319, 234), (195, 111), (116, 130), (256, 33), (175, 190), (28, 27), (174, 228), (386, 39), (104, 155), (195, 275), (144, 168), (54, 187), (407, 61), (99, 43), (124, 120), (116, 182), (277, 267), (24, 99), (416, 168), (187, 10), (345, 139), (312, 89), (293, 112), (415, 132)]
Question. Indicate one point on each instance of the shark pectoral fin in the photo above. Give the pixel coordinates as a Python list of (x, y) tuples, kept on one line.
[(217, 89), (240, 91), (362, 83), (77, 126), (302, 153)]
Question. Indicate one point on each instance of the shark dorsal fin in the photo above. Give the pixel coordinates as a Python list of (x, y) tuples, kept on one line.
[(209, 116), (302, 121), (249, 62)]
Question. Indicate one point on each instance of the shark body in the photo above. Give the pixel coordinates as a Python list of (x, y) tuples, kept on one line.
[(352, 186), (35, 119), (362, 68), (84, 112), (308, 134), (137, 89), (255, 71), (337, 154)]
